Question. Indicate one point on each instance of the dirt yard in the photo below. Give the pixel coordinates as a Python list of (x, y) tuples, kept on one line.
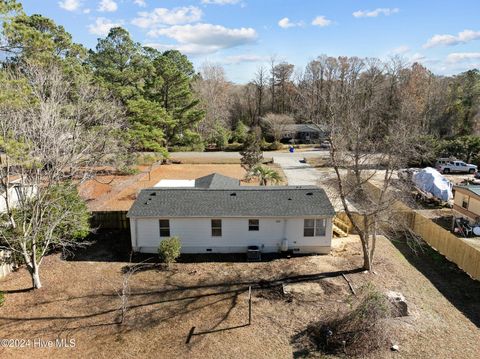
[(80, 301), (117, 193)]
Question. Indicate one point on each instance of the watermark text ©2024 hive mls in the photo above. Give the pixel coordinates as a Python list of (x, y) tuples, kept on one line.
[(38, 343)]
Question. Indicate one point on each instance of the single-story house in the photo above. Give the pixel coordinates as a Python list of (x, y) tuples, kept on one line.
[(304, 133), (220, 216), (466, 202)]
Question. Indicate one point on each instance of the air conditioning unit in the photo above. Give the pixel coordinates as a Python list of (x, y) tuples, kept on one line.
[(254, 254)]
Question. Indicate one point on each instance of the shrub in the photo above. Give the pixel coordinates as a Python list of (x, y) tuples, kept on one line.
[(357, 332), (275, 146), (148, 159), (235, 146), (2, 298), (197, 147), (128, 171), (169, 250), (240, 133), (220, 136), (264, 145)]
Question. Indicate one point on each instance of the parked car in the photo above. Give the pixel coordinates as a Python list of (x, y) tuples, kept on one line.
[(325, 145), (457, 167), (477, 175), (444, 161)]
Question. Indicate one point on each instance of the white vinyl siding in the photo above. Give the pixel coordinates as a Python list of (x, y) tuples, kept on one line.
[(196, 234)]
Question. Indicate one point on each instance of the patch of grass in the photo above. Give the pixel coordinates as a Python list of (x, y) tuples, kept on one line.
[(148, 159), (128, 171), (2, 298)]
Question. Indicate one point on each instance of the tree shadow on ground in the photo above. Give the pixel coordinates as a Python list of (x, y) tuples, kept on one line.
[(115, 246), (455, 285), (185, 298), (103, 246)]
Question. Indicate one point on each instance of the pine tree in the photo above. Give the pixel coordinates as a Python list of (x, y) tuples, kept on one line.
[(252, 153)]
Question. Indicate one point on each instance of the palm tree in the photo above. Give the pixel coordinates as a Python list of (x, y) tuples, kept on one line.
[(266, 175)]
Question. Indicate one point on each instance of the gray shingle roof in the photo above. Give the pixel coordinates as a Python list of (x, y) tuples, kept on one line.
[(216, 180), (275, 201), (304, 127)]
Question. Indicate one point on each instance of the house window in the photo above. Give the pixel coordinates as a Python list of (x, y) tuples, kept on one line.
[(216, 227), (465, 202), (164, 228), (253, 224), (314, 227), (320, 225)]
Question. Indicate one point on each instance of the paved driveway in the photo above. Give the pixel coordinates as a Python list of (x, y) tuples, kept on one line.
[(297, 173)]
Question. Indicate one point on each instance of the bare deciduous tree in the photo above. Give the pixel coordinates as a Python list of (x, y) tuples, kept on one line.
[(260, 84), (214, 91), (372, 135), (277, 124), (54, 135), (282, 74)]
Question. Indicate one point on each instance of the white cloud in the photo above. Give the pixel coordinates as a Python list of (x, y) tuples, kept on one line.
[(418, 57), (86, 11), (457, 57), (236, 59), (102, 26), (141, 3), (204, 38), (70, 5), (450, 40), (438, 40), (401, 50), (376, 12), (161, 16), (107, 6), (221, 2), (285, 23), (321, 21), (188, 49)]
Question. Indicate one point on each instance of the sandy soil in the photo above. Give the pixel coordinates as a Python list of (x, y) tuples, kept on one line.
[(117, 193), (80, 301)]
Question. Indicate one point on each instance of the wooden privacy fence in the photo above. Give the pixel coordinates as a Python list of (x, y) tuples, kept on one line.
[(460, 251), (457, 250), (110, 220)]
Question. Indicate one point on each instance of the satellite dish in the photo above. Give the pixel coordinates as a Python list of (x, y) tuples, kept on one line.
[(476, 231)]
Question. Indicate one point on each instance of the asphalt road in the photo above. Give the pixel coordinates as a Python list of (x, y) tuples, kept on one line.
[(235, 155)]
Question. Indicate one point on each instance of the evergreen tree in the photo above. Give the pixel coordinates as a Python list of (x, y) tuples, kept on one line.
[(252, 154)]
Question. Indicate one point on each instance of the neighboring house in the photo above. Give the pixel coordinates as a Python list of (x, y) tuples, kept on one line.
[(304, 133), (220, 216), (466, 202), (16, 193)]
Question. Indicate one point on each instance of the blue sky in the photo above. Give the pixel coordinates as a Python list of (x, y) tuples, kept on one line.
[(242, 35)]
